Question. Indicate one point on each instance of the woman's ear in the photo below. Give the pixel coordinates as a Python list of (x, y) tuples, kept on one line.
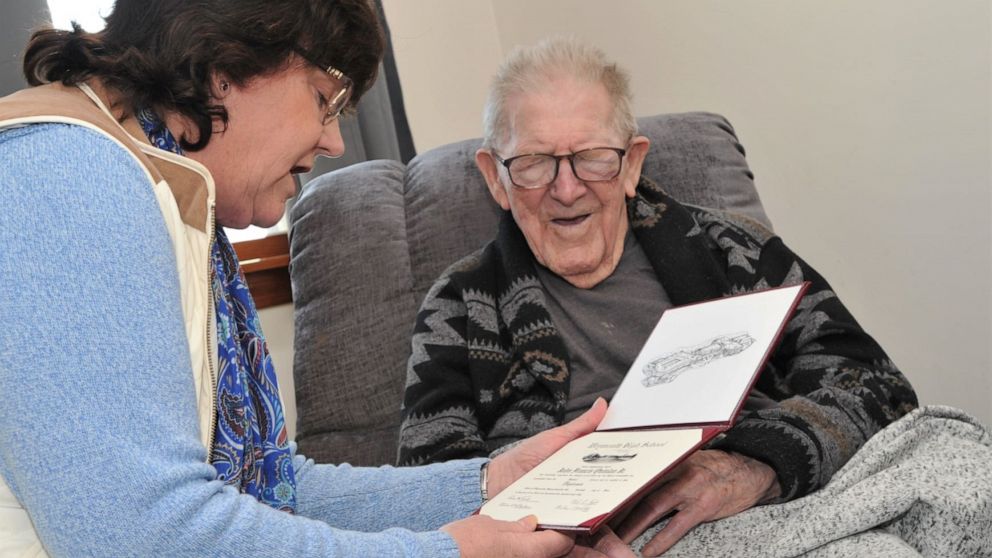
[(220, 85), (487, 166)]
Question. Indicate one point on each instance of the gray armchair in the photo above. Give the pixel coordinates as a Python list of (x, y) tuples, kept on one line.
[(367, 242)]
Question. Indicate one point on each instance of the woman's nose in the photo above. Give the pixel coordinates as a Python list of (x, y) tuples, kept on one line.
[(331, 143)]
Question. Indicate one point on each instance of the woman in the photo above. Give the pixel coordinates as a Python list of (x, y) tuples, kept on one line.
[(141, 414)]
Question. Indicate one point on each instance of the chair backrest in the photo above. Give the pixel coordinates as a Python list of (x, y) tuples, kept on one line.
[(368, 241)]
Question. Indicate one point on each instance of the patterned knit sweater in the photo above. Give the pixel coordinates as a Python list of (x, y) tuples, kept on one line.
[(489, 367)]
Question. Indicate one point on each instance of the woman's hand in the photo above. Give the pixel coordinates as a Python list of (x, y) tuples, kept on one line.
[(480, 536), (709, 485), (484, 536), (510, 466)]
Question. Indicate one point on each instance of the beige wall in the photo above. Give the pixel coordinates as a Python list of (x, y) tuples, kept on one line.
[(867, 125), (277, 324), (447, 51)]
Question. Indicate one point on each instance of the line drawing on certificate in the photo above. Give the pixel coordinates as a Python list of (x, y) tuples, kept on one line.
[(608, 458), (667, 368)]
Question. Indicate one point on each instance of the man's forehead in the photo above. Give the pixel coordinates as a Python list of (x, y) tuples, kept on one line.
[(559, 110), (528, 135)]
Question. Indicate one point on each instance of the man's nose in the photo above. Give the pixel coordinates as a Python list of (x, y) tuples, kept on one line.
[(566, 187)]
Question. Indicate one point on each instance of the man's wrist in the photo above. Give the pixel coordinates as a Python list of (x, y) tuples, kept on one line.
[(763, 471), (773, 493)]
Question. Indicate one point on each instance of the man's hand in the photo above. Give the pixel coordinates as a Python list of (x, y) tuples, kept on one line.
[(481, 536), (709, 485), (510, 466), (603, 543)]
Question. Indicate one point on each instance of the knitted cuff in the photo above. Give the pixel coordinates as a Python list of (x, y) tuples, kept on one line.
[(785, 448)]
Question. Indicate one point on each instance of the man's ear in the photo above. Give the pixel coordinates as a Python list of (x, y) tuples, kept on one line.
[(636, 153), (487, 166)]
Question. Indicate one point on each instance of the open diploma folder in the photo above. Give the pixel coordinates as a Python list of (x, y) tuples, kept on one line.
[(686, 386)]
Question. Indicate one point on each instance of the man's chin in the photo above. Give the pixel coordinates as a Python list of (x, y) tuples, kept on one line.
[(583, 275)]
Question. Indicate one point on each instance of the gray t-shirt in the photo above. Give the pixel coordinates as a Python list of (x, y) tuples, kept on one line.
[(604, 327)]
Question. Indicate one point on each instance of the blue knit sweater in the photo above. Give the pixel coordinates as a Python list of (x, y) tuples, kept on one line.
[(98, 424)]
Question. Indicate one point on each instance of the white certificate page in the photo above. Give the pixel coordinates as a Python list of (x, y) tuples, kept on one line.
[(591, 476), (699, 361)]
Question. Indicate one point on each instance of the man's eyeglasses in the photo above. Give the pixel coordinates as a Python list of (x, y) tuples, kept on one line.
[(537, 170), (332, 106)]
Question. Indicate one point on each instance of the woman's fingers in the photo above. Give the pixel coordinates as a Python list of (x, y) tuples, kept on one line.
[(587, 421)]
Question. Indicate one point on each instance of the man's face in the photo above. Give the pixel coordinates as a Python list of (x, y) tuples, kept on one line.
[(574, 228)]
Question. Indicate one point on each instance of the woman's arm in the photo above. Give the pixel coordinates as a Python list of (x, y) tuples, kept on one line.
[(375, 499), (99, 435)]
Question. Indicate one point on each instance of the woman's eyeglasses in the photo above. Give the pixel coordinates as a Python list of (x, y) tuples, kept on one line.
[(332, 106)]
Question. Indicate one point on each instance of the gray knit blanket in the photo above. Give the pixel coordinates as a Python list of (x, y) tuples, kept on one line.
[(920, 487)]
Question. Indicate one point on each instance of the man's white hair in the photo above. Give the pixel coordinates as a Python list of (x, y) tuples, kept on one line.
[(527, 70)]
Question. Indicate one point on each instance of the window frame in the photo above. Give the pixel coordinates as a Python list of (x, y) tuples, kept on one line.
[(265, 263)]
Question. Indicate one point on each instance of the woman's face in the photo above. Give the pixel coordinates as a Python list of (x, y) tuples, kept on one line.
[(274, 130)]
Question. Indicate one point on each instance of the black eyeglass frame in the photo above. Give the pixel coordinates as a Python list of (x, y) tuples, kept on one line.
[(337, 104), (557, 158)]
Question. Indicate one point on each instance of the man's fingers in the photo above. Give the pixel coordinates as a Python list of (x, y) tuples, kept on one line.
[(677, 527), (656, 506), (585, 552), (604, 544), (709, 485), (608, 543)]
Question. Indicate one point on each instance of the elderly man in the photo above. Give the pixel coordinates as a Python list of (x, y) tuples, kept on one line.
[(525, 333)]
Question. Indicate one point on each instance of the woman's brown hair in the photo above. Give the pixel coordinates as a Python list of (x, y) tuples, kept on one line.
[(161, 54)]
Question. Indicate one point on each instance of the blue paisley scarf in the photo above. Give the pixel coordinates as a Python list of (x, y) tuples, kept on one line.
[(251, 448)]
